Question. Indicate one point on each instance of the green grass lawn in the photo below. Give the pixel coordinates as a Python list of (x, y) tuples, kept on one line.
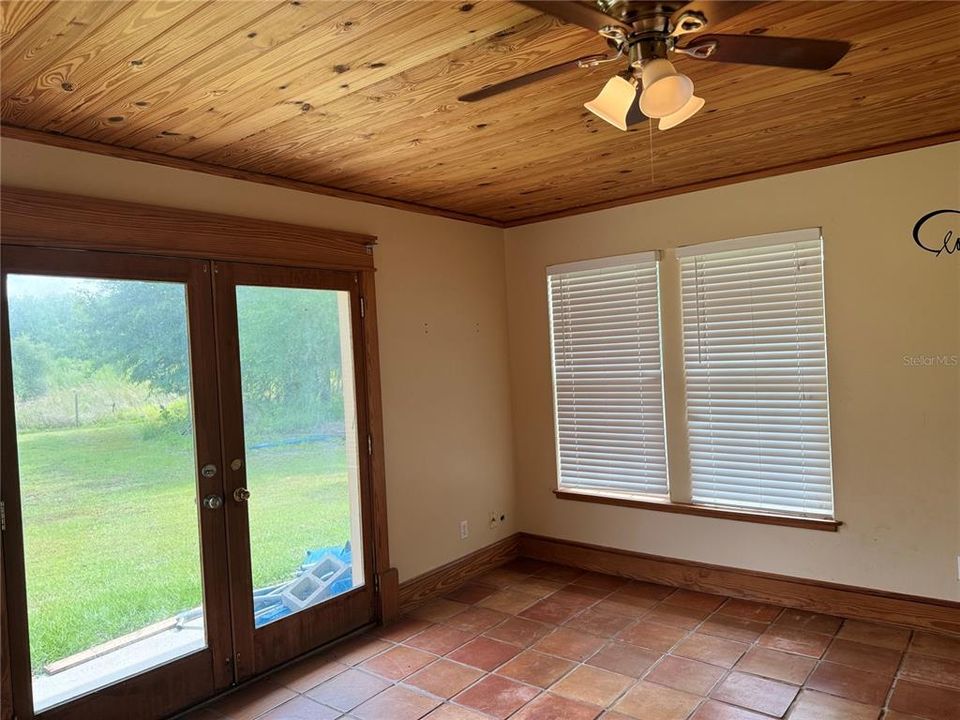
[(110, 522)]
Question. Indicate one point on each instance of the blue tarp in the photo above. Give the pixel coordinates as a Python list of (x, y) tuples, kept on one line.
[(267, 604)]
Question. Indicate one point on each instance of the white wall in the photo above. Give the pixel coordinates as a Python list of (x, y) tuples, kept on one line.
[(895, 428), (442, 315)]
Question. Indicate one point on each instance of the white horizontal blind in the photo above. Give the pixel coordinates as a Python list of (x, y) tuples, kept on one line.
[(607, 378), (756, 374)]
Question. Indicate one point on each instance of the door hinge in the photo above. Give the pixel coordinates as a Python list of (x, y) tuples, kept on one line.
[(369, 444), (363, 307), (376, 582), (3, 516)]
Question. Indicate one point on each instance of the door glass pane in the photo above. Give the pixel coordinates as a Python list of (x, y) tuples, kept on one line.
[(300, 433), (101, 380)]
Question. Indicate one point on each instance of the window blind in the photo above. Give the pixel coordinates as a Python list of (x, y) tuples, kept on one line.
[(607, 378), (756, 374)]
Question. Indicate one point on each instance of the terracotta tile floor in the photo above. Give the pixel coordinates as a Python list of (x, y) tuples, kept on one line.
[(533, 641)]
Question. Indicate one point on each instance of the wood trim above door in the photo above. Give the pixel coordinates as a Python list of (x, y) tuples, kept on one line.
[(47, 219)]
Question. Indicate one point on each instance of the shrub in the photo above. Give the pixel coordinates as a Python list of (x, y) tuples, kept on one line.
[(168, 420)]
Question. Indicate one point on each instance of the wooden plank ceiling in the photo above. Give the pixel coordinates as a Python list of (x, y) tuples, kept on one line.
[(360, 97)]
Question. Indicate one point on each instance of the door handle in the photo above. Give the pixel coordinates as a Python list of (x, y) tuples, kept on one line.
[(241, 494)]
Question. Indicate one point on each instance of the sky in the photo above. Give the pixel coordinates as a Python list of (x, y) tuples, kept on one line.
[(45, 285)]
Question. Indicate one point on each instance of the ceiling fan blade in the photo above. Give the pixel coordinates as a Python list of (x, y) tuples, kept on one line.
[(715, 11), (522, 80), (585, 15), (801, 53)]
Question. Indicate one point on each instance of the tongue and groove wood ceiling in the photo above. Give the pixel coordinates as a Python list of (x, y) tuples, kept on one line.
[(360, 97)]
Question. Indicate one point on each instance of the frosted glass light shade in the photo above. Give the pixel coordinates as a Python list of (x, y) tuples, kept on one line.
[(693, 106), (665, 91), (616, 103)]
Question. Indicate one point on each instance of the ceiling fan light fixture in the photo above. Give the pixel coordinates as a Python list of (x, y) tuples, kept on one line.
[(693, 106), (665, 91), (616, 103)]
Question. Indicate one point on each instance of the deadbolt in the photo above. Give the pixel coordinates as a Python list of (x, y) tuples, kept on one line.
[(236, 464), (213, 502), (241, 494), (208, 470)]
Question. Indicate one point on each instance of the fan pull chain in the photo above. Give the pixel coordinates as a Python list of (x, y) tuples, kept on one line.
[(653, 178)]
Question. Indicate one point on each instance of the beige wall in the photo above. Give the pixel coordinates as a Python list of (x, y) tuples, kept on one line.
[(895, 428), (442, 314), (446, 385)]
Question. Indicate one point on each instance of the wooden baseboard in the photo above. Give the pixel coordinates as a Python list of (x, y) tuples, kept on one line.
[(830, 598), (434, 583), (823, 597)]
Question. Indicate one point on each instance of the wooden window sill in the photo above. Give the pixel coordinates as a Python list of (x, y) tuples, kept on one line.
[(702, 510)]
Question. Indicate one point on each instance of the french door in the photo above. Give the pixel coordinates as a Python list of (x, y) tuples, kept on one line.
[(289, 360), (185, 489)]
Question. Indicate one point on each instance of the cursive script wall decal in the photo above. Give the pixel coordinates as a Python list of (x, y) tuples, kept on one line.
[(949, 244)]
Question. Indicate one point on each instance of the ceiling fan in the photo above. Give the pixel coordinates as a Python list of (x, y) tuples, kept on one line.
[(642, 33)]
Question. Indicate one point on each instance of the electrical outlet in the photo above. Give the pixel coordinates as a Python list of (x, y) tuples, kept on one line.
[(464, 530), (492, 522)]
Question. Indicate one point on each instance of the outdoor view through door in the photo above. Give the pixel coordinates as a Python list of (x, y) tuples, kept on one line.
[(187, 481), (102, 390), (300, 435)]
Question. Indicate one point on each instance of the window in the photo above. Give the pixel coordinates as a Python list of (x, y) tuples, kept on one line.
[(754, 354), (607, 381), (745, 414)]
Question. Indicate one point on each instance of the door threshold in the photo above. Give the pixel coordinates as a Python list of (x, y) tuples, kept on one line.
[(326, 647)]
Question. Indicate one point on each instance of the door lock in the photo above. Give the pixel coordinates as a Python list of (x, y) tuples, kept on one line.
[(213, 502), (241, 494), (208, 470)]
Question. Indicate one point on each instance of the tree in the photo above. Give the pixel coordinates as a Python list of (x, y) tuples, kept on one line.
[(140, 328), (49, 320), (32, 361), (289, 346), (290, 358)]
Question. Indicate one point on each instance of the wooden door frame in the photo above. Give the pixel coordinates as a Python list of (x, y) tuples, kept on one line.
[(72, 222), (6, 680)]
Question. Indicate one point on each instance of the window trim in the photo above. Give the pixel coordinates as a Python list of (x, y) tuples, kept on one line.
[(603, 262), (652, 502), (785, 237), (673, 377)]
